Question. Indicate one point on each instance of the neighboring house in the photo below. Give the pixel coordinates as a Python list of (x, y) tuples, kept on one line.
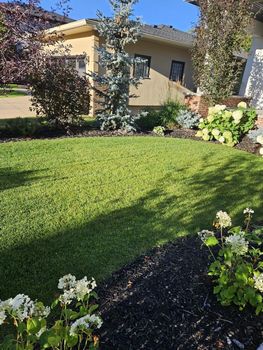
[(165, 50), (252, 80)]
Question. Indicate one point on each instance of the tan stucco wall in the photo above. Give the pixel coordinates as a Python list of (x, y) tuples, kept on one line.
[(158, 88), (153, 91)]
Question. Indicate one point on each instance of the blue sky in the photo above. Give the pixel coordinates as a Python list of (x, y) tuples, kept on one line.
[(172, 12)]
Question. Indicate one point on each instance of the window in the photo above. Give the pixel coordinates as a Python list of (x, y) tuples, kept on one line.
[(78, 62), (177, 71), (142, 69)]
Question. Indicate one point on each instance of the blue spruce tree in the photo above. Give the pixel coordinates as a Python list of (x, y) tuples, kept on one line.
[(113, 86)]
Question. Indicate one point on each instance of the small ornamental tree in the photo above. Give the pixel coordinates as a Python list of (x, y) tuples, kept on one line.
[(59, 94), (113, 86), (222, 33)]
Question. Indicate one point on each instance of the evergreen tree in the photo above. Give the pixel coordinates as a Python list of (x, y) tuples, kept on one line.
[(113, 86)]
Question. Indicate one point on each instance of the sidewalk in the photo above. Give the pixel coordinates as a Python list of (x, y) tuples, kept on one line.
[(14, 107)]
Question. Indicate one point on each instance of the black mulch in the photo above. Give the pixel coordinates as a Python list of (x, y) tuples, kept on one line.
[(164, 301)]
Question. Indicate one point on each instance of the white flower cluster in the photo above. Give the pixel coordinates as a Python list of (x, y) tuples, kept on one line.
[(238, 244), (224, 220), (259, 282), (205, 234), (85, 322), (248, 211), (22, 307), (75, 289)]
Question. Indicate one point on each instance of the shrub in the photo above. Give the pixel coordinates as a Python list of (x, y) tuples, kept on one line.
[(76, 324), (169, 112), (59, 94), (23, 127), (159, 130), (237, 269), (148, 121), (188, 119), (227, 126)]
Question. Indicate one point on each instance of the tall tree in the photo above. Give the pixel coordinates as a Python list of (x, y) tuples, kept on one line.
[(22, 37), (221, 34), (112, 86)]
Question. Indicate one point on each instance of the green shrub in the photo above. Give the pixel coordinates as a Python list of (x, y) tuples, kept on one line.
[(30, 325), (21, 127), (227, 126), (148, 121), (169, 112), (237, 269)]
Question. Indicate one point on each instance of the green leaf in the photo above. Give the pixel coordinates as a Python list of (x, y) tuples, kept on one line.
[(72, 340), (33, 325), (211, 241)]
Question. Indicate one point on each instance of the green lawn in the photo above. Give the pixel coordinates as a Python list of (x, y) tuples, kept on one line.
[(13, 94), (89, 206)]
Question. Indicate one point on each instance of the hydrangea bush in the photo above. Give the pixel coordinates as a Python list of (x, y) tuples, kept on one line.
[(237, 269), (225, 125), (159, 130), (75, 326)]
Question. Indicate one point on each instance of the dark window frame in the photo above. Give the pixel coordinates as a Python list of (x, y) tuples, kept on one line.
[(149, 60), (183, 70)]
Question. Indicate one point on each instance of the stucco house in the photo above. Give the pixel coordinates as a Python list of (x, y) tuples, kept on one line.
[(252, 82), (166, 52)]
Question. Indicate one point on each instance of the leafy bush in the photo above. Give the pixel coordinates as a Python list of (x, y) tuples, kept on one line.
[(188, 119), (23, 127), (159, 130), (76, 323), (169, 112), (237, 269), (59, 94), (149, 121), (227, 126)]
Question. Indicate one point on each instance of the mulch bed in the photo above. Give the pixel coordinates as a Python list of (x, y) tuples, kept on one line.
[(164, 301), (245, 145)]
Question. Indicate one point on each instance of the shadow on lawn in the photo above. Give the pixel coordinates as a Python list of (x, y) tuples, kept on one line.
[(109, 241), (11, 178)]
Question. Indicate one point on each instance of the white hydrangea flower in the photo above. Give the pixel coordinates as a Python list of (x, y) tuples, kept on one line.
[(67, 297), (259, 282), (237, 116), (22, 307), (221, 139), (205, 234), (238, 244), (2, 317), (224, 219), (242, 105), (260, 139), (248, 211), (261, 151), (67, 282), (215, 132), (85, 322), (84, 287)]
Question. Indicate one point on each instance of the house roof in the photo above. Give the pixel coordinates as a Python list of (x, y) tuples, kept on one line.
[(50, 16), (161, 33)]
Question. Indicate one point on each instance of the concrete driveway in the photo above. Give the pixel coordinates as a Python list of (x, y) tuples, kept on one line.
[(14, 107)]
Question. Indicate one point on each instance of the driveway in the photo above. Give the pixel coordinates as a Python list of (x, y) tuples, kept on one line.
[(14, 107)]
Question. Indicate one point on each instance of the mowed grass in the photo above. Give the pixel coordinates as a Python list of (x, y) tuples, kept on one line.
[(89, 206)]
